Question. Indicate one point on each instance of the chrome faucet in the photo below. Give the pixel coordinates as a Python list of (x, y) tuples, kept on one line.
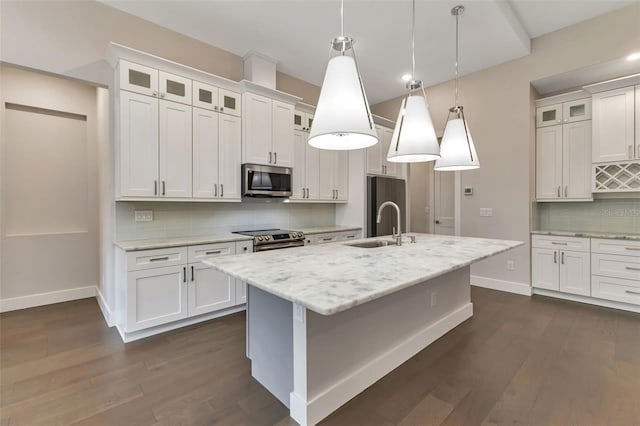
[(398, 237)]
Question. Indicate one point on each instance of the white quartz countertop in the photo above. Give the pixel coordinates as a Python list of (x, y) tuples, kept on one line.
[(327, 229), (590, 234), (331, 278), (157, 243)]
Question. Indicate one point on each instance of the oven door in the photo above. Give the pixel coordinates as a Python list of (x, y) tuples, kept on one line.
[(277, 246), (266, 181)]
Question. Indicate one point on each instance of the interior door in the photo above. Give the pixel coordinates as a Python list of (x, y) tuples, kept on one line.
[(444, 203)]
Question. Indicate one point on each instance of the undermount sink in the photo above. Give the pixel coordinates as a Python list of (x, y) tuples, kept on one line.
[(373, 244)]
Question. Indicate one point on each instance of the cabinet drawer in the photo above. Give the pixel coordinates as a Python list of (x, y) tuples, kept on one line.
[(562, 243), (146, 259), (243, 247), (611, 265), (623, 247), (196, 253), (626, 291), (324, 238), (349, 235)]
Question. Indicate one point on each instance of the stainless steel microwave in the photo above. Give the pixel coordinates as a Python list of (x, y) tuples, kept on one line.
[(266, 181)]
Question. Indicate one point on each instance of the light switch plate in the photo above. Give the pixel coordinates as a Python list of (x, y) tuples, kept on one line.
[(486, 211), (468, 190), (143, 215)]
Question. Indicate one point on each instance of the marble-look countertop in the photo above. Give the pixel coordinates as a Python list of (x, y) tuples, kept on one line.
[(330, 278), (327, 229), (590, 234), (157, 243)]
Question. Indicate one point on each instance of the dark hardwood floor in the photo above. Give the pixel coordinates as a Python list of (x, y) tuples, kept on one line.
[(519, 360)]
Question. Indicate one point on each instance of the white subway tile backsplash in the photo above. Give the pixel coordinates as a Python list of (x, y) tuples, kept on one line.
[(604, 215)]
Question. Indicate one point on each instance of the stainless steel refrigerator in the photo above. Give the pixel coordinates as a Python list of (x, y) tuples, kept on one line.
[(379, 190)]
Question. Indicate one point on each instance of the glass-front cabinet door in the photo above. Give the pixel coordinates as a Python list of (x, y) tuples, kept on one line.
[(549, 115), (229, 102), (576, 110), (138, 78), (205, 96), (174, 88)]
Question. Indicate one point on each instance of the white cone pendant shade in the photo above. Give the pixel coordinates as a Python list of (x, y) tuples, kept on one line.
[(458, 152), (414, 138), (342, 119)]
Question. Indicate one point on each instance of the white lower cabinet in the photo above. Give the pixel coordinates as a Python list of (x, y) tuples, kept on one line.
[(162, 286), (332, 237), (615, 265), (559, 269)]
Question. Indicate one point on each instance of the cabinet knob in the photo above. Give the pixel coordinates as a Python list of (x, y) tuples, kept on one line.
[(155, 93), (162, 94), (221, 108), (215, 108)]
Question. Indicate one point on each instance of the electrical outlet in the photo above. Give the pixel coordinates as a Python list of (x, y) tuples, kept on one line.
[(486, 211), (143, 215), (511, 266), (434, 299)]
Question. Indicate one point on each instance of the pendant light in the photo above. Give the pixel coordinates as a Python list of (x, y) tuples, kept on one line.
[(414, 138), (342, 119), (457, 148)]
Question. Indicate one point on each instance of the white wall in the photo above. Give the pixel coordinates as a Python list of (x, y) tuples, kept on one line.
[(498, 106)]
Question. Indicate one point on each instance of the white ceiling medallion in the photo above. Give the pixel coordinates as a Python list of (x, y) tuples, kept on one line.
[(457, 149), (342, 119), (414, 138)]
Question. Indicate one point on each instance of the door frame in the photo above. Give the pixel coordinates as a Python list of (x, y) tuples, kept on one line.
[(456, 202)]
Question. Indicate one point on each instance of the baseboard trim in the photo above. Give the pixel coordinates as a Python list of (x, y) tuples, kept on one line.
[(40, 299), (311, 412), (501, 285), (141, 334), (588, 300), (107, 313)]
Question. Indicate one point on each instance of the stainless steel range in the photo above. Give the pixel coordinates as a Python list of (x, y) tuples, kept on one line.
[(273, 239)]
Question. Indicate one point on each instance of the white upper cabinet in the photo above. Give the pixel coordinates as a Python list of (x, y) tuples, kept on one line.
[(229, 155), (174, 88), (377, 163), (390, 169), (205, 96), (229, 102), (306, 174), (613, 125), (302, 121), (175, 150), (549, 116), (579, 110), (138, 150), (576, 160), (138, 78), (637, 96), (341, 176), (268, 132), (334, 175), (549, 163)]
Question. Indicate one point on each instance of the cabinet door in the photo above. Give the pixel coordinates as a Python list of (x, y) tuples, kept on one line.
[(308, 121), (138, 78), (156, 296), (298, 180), (549, 116), (545, 269), (138, 145), (579, 110), (549, 163), (175, 150), (575, 273), (229, 155), (230, 102), (174, 88), (205, 153), (576, 159), (374, 156), (209, 289), (390, 169), (204, 96), (637, 132), (282, 134), (312, 171), (341, 176), (326, 190), (241, 292), (613, 125), (258, 132), (299, 120)]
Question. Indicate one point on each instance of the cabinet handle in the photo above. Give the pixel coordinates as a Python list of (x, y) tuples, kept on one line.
[(333, 194), (566, 190), (633, 248), (555, 257), (637, 293), (269, 157), (275, 158), (215, 189), (307, 193), (163, 188), (559, 244), (562, 257), (155, 187), (213, 252), (222, 190), (350, 236), (558, 192), (156, 259), (192, 274), (337, 194), (631, 268), (630, 152), (327, 239), (184, 274)]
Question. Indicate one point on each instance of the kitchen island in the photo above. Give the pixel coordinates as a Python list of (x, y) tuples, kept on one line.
[(326, 322)]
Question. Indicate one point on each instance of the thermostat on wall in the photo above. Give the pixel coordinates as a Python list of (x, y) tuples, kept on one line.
[(468, 190)]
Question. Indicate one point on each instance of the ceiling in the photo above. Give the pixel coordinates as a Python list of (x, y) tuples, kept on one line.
[(297, 32)]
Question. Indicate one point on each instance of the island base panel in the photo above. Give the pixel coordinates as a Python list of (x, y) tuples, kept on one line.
[(335, 357)]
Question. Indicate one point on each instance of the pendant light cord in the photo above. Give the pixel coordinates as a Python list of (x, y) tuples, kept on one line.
[(456, 92), (342, 18), (413, 41)]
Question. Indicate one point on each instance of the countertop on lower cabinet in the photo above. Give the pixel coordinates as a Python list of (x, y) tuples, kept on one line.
[(332, 278), (157, 243), (327, 229), (590, 234)]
